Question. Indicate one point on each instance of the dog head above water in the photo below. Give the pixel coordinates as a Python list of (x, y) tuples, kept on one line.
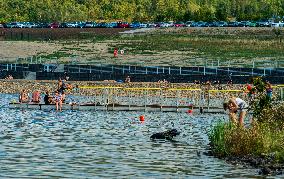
[(169, 134)]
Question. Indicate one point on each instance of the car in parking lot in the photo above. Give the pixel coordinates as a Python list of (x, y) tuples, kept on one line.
[(89, 24), (111, 25), (262, 23), (53, 25), (252, 24), (188, 23), (123, 25), (15, 25), (233, 24), (179, 24), (2, 25), (222, 24), (134, 25), (143, 25)]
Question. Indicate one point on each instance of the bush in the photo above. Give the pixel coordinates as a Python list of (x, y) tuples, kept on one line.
[(227, 139)]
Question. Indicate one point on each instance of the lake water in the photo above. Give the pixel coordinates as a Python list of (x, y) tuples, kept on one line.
[(75, 144)]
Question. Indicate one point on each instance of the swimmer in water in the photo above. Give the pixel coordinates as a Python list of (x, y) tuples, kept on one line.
[(234, 105)]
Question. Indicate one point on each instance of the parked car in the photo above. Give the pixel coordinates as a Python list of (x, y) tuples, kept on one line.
[(199, 24), (15, 25), (143, 25), (179, 24), (41, 25), (222, 24), (252, 24), (81, 24), (89, 24), (189, 23), (29, 25), (262, 23), (123, 24), (102, 25), (277, 24), (111, 25), (233, 24), (53, 25), (63, 25), (243, 24), (72, 24), (2, 25), (134, 25)]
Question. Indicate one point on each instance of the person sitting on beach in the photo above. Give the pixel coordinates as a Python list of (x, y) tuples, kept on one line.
[(47, 98), (36, 96), (58, 101), (24, 97), (234, 105)]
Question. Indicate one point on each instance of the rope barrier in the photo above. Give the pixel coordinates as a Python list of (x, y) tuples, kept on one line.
[(225, 91)]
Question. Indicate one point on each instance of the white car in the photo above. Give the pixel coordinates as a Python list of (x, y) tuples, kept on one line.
[(143, 25), (277, 24)]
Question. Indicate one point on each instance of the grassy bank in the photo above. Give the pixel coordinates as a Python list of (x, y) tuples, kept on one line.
[(261, 139)]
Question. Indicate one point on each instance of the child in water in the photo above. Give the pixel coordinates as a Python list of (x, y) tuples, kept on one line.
[(58, 101), (234, 105)]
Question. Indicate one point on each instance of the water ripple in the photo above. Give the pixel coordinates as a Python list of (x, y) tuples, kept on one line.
[(76, 144)]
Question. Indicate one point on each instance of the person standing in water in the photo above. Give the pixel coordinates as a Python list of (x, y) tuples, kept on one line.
[(234, 105), (58, 101)]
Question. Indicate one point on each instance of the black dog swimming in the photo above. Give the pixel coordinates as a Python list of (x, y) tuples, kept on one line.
[(168, 135)]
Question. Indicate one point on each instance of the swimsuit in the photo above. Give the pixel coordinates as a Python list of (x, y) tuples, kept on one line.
[(57, 98), (242, 104)]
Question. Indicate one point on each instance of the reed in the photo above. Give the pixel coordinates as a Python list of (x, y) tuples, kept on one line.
[(262, 139)]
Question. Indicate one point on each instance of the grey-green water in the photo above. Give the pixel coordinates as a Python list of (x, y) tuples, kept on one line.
[(76, 144)]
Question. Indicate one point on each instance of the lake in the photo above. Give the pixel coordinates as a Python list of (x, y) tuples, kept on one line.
[(101, 144)]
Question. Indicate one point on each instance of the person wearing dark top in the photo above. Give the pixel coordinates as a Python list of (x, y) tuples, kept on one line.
[(47, 98)]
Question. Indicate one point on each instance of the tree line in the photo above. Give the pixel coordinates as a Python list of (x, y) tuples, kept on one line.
[(138, 10)]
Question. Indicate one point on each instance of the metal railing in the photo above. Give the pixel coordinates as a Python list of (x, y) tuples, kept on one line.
[(202, 99)]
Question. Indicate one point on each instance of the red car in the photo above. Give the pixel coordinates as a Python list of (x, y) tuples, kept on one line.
[(179, 24), (123, 25), (54, 25)]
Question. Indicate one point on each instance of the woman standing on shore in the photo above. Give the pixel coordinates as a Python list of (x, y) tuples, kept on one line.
[(234, 105)]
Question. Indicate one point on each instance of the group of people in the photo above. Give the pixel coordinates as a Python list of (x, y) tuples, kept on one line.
[(9, 77), (58, 98)]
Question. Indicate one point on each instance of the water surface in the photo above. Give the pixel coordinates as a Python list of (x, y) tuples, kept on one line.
[(76, 144)]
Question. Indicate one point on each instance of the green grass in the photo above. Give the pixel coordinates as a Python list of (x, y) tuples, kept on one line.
[(57, 55), (223, 47), (261, 139)]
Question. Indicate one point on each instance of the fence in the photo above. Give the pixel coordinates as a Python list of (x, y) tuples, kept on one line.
[(142, 73), (193, 62), (169, 99)]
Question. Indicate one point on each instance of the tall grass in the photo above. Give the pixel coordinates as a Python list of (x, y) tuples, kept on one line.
[(259, 139)]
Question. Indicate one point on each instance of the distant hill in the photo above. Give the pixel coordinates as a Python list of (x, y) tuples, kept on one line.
[(138, 10)]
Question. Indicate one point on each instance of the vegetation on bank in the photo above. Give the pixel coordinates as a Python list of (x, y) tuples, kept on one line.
[(138, 10), (264, 137)]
